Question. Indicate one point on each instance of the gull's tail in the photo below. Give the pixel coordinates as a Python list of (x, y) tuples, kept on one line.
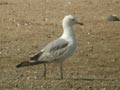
[(28, 63)]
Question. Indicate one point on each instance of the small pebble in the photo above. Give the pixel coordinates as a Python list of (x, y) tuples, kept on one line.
[(88, 33), (35, 77), (28, 78), (88, 43), (25, 24), (17, 24)]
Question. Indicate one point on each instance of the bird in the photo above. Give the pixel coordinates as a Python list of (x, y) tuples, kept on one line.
[(113, 18), (58, 50)]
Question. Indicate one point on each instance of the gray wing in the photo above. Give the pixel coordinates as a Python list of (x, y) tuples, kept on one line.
[(54, 50)]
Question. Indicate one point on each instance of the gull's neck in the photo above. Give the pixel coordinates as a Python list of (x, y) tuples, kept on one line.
[(68, 32)]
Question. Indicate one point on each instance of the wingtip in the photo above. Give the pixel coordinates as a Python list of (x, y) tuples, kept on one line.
[(27, 63), (22, 64)]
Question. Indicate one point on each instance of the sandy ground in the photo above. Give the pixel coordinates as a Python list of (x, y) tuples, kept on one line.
[(27, 25)]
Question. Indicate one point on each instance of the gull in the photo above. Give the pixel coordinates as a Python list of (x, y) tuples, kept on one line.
[(58, 50)]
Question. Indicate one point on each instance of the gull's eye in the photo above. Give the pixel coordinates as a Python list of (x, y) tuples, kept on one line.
[(73, 19)]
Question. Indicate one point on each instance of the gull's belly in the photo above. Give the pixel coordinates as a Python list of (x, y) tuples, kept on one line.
[(70, 51)]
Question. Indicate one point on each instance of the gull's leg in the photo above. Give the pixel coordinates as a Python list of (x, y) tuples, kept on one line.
[(45, 70), (61, 70)]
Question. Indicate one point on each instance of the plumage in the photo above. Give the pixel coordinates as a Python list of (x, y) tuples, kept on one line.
[(57, 50)]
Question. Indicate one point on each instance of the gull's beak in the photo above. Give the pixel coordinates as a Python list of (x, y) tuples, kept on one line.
[(80, 23)]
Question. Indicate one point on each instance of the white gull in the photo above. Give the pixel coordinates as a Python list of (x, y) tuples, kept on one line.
[(57, 50)]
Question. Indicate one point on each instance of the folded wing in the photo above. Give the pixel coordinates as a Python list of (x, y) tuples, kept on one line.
[(52, 52)]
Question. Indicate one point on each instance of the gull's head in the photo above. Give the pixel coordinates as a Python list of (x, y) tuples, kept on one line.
[(70, 20)]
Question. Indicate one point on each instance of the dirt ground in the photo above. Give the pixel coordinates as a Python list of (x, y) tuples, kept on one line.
[(27, 25)]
